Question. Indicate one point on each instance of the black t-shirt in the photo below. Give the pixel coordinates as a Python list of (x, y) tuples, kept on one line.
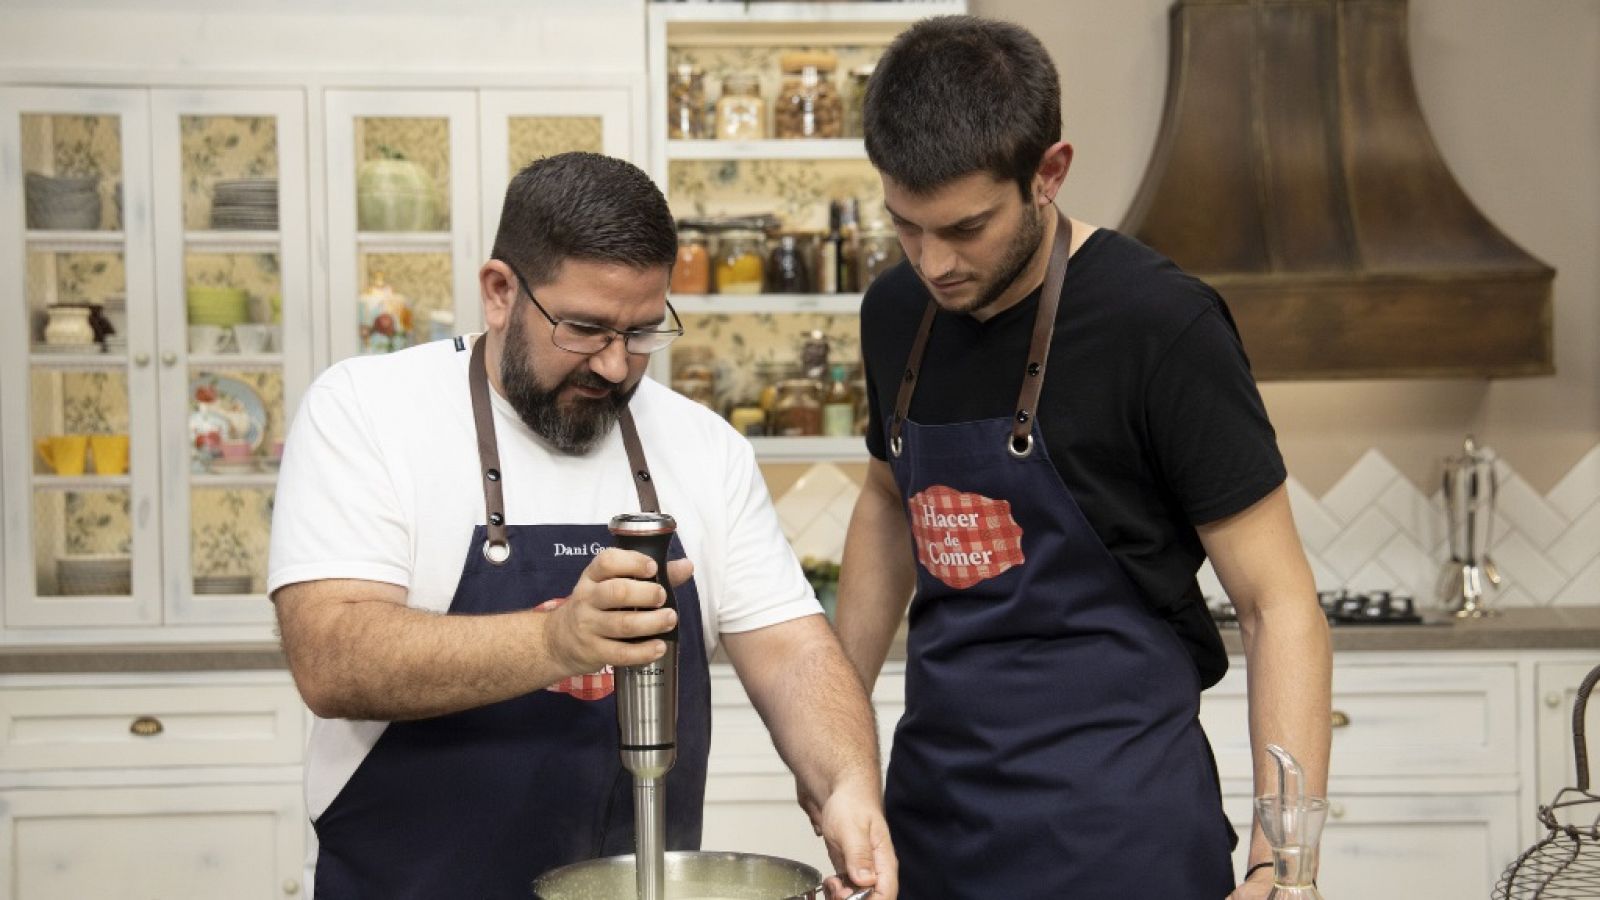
[(1149, 411)]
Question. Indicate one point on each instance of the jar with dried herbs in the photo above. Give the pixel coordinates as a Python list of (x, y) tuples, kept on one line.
[(741, 113), (798, 409), (686, 102), (808, 103), (855, 97)]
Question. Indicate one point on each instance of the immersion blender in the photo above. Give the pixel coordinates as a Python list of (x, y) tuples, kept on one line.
[(647, 711)]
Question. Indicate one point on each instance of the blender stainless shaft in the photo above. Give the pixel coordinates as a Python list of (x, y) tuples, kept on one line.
[(647, 711)]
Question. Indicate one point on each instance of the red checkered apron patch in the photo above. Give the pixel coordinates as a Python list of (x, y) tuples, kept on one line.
[(597, 686), (962, 538)]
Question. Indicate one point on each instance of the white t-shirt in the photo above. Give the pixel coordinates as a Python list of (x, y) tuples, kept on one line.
[(380, 482)]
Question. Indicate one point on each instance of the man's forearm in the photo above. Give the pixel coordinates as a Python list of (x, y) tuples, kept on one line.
[(1289, 665), (876, 577), (372, 658), (812, 703)]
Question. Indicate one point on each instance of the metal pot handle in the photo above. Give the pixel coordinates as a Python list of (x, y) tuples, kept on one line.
[(821, 891)]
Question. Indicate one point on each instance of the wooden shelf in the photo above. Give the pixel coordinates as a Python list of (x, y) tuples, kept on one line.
[(810, 449), (732, 304), (52, 241), (800, 148)]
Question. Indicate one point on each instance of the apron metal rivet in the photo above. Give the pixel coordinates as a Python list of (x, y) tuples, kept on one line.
[(1022, 415), (643, 475), (496, 519), (492, 474), (1034, 368)]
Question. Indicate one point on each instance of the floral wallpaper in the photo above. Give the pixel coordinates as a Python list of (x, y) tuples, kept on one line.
[(228, 533), (424, 141), (798, 191), (744, 348), (535, 137), (223, 147)]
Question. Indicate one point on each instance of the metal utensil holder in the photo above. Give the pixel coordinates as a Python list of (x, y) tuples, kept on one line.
[(1565, 865)]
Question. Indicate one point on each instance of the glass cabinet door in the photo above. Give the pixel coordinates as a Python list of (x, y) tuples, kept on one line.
[(402, 214), (519, 127), (235, 335), (80, 446)]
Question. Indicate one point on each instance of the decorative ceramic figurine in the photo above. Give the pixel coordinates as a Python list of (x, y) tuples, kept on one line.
[(385, 318)]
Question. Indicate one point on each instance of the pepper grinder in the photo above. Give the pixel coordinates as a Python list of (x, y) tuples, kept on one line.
[(647, 711)]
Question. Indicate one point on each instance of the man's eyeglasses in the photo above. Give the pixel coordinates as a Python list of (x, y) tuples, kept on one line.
[(589, 338)]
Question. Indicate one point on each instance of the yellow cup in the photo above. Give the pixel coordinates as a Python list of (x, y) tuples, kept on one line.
[(110, 453), (64, 453)]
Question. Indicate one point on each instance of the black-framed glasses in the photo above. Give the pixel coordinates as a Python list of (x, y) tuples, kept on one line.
[(589, 338)]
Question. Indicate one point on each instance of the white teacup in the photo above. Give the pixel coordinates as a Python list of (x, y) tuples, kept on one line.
[(253, 337), (209, 339)]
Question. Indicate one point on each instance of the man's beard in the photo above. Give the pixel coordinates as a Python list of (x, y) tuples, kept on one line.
[(575, 429), (1019, 253)]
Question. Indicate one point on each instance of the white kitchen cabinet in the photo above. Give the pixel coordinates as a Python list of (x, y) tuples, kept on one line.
[(136, 523), (1557, 690), (465, 144), (173, 786)]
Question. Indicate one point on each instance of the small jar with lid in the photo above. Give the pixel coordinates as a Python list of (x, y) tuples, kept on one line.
[(789, 265), (691, 274), (740, 268), (741, 113), (855, 98), (686, 102), (808, 104), (877, 250), (797, 411)]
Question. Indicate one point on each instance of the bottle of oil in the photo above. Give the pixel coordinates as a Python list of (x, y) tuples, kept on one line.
[(839, 405)]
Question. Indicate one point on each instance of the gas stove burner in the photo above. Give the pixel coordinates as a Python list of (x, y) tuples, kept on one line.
[(1342, 607)]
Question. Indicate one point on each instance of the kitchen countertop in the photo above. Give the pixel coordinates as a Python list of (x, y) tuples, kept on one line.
[(1565, 628)]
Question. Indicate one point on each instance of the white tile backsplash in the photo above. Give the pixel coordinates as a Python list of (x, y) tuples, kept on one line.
[(1373, 529)]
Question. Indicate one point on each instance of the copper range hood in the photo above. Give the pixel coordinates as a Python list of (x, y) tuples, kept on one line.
[(1295, 173)]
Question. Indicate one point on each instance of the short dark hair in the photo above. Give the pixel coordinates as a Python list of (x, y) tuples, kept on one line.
[(955, 95), (583, 206)]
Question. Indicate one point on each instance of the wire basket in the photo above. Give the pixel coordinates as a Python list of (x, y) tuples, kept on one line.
[(1566, 864)]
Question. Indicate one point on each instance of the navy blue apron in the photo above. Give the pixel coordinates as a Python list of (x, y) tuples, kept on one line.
[(1050, 746), (479, 803)]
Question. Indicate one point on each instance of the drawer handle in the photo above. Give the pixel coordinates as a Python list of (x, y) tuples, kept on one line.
[(1552, 700), (146, 726), (291, 886), (1340, 719), (1336, 810)]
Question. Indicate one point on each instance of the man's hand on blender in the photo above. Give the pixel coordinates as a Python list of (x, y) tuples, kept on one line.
[(614, 600)]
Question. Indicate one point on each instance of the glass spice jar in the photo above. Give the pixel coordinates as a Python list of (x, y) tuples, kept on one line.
[(797, 411), (808, 104), (686, 102), (855, 98), (877, 250), (691, 274), (789, 265), (739, 266), (741, 113)]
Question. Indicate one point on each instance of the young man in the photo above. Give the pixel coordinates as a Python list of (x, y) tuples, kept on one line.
[(451, 608), (1056, 449)]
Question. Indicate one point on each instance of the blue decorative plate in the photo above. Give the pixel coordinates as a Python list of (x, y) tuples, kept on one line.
[(226, 405)]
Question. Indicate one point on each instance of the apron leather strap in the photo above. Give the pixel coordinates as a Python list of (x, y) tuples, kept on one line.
[(1044, 325), (497, 549), (642, 481)]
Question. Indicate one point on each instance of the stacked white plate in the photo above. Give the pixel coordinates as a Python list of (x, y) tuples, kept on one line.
[(245, 204), (95, 574), (222, 584), (67, 202)]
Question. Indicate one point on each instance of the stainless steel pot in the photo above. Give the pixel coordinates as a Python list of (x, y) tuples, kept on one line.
[(690, 876)]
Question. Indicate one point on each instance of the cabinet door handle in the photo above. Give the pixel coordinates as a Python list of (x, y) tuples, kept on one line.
[(140, 360), (1336, 810), (169, 359), (146, 726), (1340, 719), (1552, 700), (291, 886)]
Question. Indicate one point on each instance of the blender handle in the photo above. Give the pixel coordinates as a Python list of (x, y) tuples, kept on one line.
[(632, 532)]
